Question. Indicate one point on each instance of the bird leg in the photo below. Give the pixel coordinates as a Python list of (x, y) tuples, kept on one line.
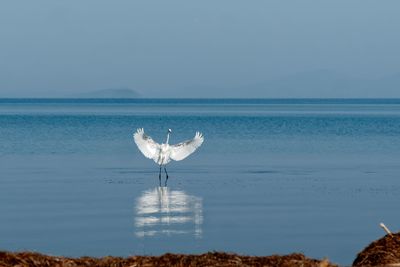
[(159, 175), (166, 179)]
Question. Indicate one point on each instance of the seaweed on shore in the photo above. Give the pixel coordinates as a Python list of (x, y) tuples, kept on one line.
[(23, 259), (382, 252)]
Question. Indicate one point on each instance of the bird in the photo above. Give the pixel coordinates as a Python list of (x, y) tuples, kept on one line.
[(163, 153)]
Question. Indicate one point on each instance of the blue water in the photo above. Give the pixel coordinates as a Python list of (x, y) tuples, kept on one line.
[(273, 176)]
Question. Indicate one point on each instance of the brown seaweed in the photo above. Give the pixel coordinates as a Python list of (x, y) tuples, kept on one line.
[(382, 252), (24, 259)]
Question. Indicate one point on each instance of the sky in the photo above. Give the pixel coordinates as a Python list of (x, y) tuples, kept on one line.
[(207, 48)]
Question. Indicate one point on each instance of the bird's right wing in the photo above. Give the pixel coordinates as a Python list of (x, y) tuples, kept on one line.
[(146, 144), (184, 149)]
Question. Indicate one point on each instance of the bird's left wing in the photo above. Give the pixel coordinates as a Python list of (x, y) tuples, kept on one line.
[(184, 149), (146, 144)]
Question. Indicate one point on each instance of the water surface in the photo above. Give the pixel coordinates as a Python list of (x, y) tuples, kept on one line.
[(273, 176)]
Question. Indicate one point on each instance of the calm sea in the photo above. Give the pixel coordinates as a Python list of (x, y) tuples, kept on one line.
[(273, 176)]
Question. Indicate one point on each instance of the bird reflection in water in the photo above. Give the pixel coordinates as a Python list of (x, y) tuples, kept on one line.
[(161, 211)]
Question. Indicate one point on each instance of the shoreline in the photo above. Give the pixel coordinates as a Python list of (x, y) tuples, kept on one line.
[(34, 259), (382, 252)]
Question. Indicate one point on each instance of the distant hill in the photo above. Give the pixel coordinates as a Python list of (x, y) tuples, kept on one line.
[(326, 84), (110, 93), (320, 83)]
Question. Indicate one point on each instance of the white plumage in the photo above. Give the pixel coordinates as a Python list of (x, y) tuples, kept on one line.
[(162, 154)]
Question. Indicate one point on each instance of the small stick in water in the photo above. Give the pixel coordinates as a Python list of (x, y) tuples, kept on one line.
[(385, 228)]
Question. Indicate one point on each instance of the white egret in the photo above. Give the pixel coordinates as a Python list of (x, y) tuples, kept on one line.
[(162, 154)]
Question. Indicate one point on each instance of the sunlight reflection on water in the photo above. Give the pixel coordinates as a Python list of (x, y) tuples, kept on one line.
[(161, 211)]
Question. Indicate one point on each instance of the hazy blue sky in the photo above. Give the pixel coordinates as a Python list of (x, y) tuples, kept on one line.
[(192, 48)]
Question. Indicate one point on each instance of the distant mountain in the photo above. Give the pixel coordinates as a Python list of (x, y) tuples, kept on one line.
[(110, 93), (326, 84), (319, 83)]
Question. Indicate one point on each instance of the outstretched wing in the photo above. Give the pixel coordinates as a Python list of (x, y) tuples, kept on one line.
[(184, 149), (146, 145)]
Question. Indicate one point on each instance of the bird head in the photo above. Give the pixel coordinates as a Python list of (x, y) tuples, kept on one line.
[(169, 131)]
